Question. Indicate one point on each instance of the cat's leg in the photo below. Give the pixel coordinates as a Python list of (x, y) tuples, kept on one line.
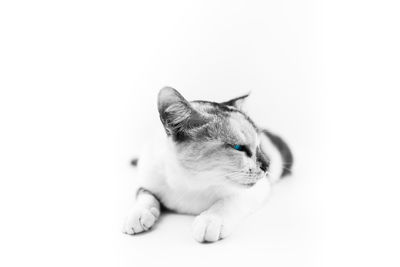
[(220, 219), (144, 213)]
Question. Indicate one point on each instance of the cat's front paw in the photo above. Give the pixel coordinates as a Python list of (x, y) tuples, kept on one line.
[(208, 228), (140, 220)]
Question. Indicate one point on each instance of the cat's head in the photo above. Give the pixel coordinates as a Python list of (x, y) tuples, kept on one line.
[(215, 138)]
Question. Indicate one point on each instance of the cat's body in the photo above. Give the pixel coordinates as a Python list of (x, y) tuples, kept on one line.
[(184, 191), (194, 169)]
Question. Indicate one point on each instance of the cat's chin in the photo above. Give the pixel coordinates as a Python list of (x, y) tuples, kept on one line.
[(245, 183)]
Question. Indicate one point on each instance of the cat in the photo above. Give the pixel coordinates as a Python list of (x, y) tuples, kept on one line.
[(212, 162)]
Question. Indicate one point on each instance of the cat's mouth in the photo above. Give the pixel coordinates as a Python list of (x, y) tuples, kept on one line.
[(248, 181), (249, 184)]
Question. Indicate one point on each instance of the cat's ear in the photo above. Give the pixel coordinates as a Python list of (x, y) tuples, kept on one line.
[(176, 113), (237, 102)]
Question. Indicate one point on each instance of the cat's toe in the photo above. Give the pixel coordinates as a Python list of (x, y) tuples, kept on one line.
[(207, 228), (140, 220)]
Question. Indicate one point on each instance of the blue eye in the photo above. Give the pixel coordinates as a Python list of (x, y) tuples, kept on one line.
[(242, 148), (238, 147)]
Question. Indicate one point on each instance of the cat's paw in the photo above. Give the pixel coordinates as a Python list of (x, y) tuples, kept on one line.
[(140, 220), (208, 228)]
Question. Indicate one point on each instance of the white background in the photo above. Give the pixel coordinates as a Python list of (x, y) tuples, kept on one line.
[(78, 83)]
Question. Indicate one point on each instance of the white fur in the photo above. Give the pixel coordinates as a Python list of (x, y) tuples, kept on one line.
[(219, 203)]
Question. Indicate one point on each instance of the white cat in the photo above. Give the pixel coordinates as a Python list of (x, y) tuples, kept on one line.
[(212, 162)]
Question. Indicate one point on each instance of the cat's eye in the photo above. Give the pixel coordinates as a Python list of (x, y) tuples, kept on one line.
[(243, 149), (238, 147)]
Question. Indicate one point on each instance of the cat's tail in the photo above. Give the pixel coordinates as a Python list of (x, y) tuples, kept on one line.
[(134, 162)]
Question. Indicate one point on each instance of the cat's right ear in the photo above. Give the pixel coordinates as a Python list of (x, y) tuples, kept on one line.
[(237, 102), (176, 113)]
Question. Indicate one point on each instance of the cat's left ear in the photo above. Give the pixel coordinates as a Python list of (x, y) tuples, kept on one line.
[(237, 102), (177, 114)]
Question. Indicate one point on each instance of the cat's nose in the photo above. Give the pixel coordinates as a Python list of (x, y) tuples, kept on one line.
[(262, 160), (264, 166)]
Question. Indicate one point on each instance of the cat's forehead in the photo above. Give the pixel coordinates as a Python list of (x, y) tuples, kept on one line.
[(242, 130), (227, 123), (212, 108)]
